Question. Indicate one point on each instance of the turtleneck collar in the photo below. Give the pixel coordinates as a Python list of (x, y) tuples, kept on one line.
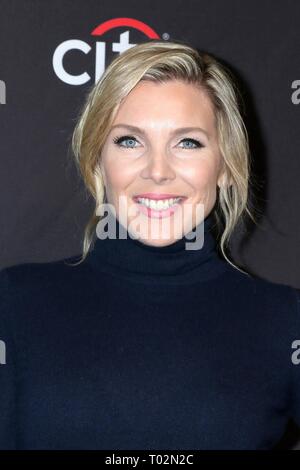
[(132, 259)]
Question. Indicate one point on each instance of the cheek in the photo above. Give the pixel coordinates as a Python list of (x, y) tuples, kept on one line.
[(200, 175), (117, 175)]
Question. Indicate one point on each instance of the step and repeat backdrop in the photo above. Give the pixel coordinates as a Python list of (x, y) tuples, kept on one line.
[(51, 53)]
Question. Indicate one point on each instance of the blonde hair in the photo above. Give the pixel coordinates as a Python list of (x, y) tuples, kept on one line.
[(160, 61)]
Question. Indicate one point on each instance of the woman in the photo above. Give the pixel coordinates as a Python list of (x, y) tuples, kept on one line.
[(154, 339)]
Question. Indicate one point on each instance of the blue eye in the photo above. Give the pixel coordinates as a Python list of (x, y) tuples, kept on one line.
[(195, 142), (129, 138), (119, 140)]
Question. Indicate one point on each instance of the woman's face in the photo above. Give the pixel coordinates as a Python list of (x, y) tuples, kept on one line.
[(148, 160)]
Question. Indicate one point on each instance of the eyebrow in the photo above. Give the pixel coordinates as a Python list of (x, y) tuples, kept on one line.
[(180, 130)]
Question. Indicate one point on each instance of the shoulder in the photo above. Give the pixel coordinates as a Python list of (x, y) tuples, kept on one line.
[(259, 286), (28, 288), (35, 275), (266, 301)]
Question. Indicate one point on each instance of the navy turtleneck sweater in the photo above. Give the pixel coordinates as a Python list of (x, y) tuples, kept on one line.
[(144, 347)]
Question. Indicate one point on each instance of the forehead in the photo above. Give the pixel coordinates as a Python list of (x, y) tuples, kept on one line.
[(170, 103)]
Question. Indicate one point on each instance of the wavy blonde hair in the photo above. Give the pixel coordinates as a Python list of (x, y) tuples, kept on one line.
[(160, 61)]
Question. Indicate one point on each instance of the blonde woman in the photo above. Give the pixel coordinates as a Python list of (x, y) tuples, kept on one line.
[(153, 338)]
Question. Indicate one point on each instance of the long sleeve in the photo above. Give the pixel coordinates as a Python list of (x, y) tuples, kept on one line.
[(7, 370), (295, 405)]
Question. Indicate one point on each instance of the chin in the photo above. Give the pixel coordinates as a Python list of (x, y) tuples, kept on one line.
[(157, 242)]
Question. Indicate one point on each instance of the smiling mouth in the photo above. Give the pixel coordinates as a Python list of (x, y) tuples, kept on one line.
[(159, 204)]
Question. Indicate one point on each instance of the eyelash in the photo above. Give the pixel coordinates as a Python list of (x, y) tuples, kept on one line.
[(118, 140)]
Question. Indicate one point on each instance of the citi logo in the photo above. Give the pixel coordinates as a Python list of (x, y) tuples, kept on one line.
[(99, 48), (2, 92)]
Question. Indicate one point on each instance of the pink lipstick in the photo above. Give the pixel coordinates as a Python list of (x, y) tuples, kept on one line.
[(161, 209)]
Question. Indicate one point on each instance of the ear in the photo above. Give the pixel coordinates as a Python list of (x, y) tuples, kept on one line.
[(224, 182), (100, 173), (221, 172), (221, 181), (99, 181)]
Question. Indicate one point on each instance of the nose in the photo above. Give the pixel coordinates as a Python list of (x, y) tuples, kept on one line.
[(158, 168)]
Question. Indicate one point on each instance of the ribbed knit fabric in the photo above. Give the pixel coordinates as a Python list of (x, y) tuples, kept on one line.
[(144, 347)]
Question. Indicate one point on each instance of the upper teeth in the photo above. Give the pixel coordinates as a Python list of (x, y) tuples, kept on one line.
[(158, 204)]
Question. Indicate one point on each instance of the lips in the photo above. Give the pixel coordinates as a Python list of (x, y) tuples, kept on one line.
[(157, 196), (158, 205)]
